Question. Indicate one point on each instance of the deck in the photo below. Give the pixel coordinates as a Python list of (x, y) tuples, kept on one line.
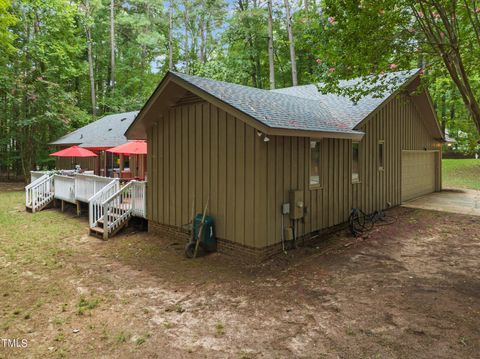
[(111, 203)]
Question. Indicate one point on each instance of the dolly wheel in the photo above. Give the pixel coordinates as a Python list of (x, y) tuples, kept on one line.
[(190, 249)]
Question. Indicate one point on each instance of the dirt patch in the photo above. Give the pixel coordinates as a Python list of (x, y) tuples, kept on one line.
[(407, 290), (11, 186)]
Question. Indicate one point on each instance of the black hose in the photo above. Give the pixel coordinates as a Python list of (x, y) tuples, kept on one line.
[(359, 222)]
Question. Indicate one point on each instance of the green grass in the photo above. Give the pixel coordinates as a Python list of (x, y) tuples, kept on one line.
[(461, 173)]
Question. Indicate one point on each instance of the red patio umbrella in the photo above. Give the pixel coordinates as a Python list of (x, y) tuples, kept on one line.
[(135, 147), (74, 151)]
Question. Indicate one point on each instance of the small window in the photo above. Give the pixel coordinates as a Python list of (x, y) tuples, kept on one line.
[(315, 164), (380, 155), (355, 162)]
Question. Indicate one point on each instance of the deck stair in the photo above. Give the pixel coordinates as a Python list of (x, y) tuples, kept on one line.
[(109, 216), (110, 205), (39, 194)]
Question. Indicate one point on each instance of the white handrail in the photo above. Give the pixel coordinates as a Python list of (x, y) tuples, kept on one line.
[(29, 192), (39, 192), (34, 175), (118, 208), (95, 203)]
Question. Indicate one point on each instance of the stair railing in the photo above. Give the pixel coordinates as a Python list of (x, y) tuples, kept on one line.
[(29, 191), (39, 192), (95, 203), (118, 208)]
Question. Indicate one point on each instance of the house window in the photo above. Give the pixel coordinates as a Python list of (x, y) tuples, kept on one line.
[(315, 164), (381, 153), (355, 162)]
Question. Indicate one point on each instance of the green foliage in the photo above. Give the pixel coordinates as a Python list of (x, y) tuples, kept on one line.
[(7, 20), (369, 38), (45, 87)]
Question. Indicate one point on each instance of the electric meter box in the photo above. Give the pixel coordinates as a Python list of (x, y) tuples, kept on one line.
[(297, 204)]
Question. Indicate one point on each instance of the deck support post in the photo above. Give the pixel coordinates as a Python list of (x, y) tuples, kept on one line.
[(62, 204), (79, 209)]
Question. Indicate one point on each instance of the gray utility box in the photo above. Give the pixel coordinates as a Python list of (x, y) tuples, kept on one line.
[(297, 204)]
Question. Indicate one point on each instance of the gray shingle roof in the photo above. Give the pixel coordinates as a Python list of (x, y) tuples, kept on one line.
[(107, 131), (299, 107), (341, 107), (273, 109)]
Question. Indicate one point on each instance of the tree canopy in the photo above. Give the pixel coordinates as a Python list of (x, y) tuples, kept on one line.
[(66, 63)]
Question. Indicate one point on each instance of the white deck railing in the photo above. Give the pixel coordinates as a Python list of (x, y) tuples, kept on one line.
[(64, 188), (139, 198), (39, 192), (95, 203), (86, 186), (118, 208), (29, 190), (107, 200)]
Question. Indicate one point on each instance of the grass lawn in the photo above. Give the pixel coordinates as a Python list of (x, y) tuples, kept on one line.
[(461, 173)]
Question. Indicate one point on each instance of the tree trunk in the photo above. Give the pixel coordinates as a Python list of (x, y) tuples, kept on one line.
[(291, 41), (444, 112), (271, 63), (170, 38), (112, 44), (90, 71), (186, 45)]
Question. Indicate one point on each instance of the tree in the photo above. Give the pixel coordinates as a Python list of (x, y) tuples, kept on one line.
[(112, 44), (7, 20), (291, 41), (377, 36), (170, 38), (88, 34), (271, 64)]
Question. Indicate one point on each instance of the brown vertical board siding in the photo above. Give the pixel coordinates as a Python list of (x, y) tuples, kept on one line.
[(239, 186), (261, 192), (206, 153), (271, 200), (198, 158), (178, 167), (331, 179), (230, 190), (221, 219), (192, 161), (159, 169), (279, 184), (171, 168), (340, 194), (306, 184), (165, 169), (186, 204), (155, 180), (151, 181), (214, 160), (400, 126), (250, 135), (294, 164), (301, 178)]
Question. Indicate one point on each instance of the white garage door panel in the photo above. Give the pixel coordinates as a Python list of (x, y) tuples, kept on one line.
[(418, 174)]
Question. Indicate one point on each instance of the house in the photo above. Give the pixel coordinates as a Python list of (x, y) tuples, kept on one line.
[(98, 136), (282, 163)]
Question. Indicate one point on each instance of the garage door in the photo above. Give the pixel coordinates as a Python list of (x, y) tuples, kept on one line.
[(418, 173)]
